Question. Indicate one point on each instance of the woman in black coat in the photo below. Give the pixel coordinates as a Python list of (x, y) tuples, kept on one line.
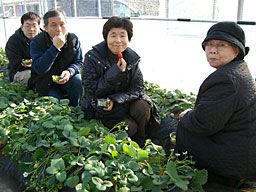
[(220, 132), (113, 82)]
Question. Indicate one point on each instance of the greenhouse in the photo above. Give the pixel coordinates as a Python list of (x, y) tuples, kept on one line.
[(52, 146)]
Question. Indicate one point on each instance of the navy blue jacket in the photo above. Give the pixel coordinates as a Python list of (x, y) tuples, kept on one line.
[(47, 60)]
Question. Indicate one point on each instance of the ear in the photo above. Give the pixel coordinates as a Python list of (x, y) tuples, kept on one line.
[(46, 28), (237, 51)]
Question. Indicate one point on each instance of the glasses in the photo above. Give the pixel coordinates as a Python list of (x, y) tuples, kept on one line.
[(219, 46), (30, 26)]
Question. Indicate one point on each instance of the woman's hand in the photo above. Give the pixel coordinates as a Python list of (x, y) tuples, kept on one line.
[(181, 115), (121, 64), (109, 106)]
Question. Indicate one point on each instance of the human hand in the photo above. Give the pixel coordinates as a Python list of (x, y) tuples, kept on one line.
[(59, 40), (121, 64), (109, 106), (64, 77), (27, 63), (181, 115)]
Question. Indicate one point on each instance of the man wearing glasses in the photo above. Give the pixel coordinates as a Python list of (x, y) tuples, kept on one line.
[(17, 48)]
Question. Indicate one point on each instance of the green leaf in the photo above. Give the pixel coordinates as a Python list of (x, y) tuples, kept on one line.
[(86, 177), (122, 135), (142, 155), (110, 140), (38, 153), (114, 153), (172, 172), (132, 178), (51, 170), (124, 189), (72, 181), (199, 179), (48, 124), (4, 102), (133, 166), (58, 163), (61, 176), (129, 150), (64, 102), (84, 131)]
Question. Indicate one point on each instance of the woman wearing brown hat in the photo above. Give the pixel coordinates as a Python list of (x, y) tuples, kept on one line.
[(220, 132)]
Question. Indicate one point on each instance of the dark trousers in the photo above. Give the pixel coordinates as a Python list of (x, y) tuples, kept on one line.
[(73, 90), (136, 117)]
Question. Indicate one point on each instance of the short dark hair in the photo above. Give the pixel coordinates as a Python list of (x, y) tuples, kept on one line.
[(53, 13), (118, 22), (30, 16)]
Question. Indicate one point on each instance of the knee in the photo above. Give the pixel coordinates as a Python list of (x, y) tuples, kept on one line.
[(76, 83), (140, 107), (132, 127)]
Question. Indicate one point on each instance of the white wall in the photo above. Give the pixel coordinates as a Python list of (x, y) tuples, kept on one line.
[(171, 53)]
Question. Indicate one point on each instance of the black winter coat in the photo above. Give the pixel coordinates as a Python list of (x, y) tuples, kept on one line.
[(220, 133), (103, 79), (16, 49)]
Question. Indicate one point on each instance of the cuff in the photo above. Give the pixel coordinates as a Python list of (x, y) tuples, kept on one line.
[(71, 71)]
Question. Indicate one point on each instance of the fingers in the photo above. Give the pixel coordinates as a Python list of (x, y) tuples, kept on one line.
[(64, 77), (59, 41), (109, 106), (121, 64)]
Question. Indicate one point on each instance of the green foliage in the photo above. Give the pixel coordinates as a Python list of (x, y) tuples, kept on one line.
[(57, 148), (3, 58), (169, 101)]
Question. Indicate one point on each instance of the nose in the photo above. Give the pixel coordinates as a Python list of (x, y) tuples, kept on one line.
[(213, 49), (118, 39)]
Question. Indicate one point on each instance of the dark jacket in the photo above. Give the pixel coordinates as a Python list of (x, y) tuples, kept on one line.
[(47, 60), (16, 49), (220, 133), (103, 79)]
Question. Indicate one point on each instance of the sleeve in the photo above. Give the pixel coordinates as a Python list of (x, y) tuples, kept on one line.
[(135, 89), (77, 63), (42, 60), (212, 111), (14, 55), (98, 85)]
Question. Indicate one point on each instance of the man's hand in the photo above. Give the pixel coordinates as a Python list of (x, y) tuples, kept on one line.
[(121, 64), (59, 41), (64, 77), (27, 63)]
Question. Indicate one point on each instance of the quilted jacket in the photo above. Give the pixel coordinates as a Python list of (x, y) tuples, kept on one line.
[(220, 132), (103, 79)]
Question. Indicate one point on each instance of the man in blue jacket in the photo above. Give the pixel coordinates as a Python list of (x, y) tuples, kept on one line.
[(17, 48), (56, 52)]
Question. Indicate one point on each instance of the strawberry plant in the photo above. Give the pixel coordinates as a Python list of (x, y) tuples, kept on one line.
[(169, 101), (57, 149), (3, 63)]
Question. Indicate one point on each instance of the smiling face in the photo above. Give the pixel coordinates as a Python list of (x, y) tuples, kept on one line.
[(220, 53), (117, 40), (30, 28), (56, 25)]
